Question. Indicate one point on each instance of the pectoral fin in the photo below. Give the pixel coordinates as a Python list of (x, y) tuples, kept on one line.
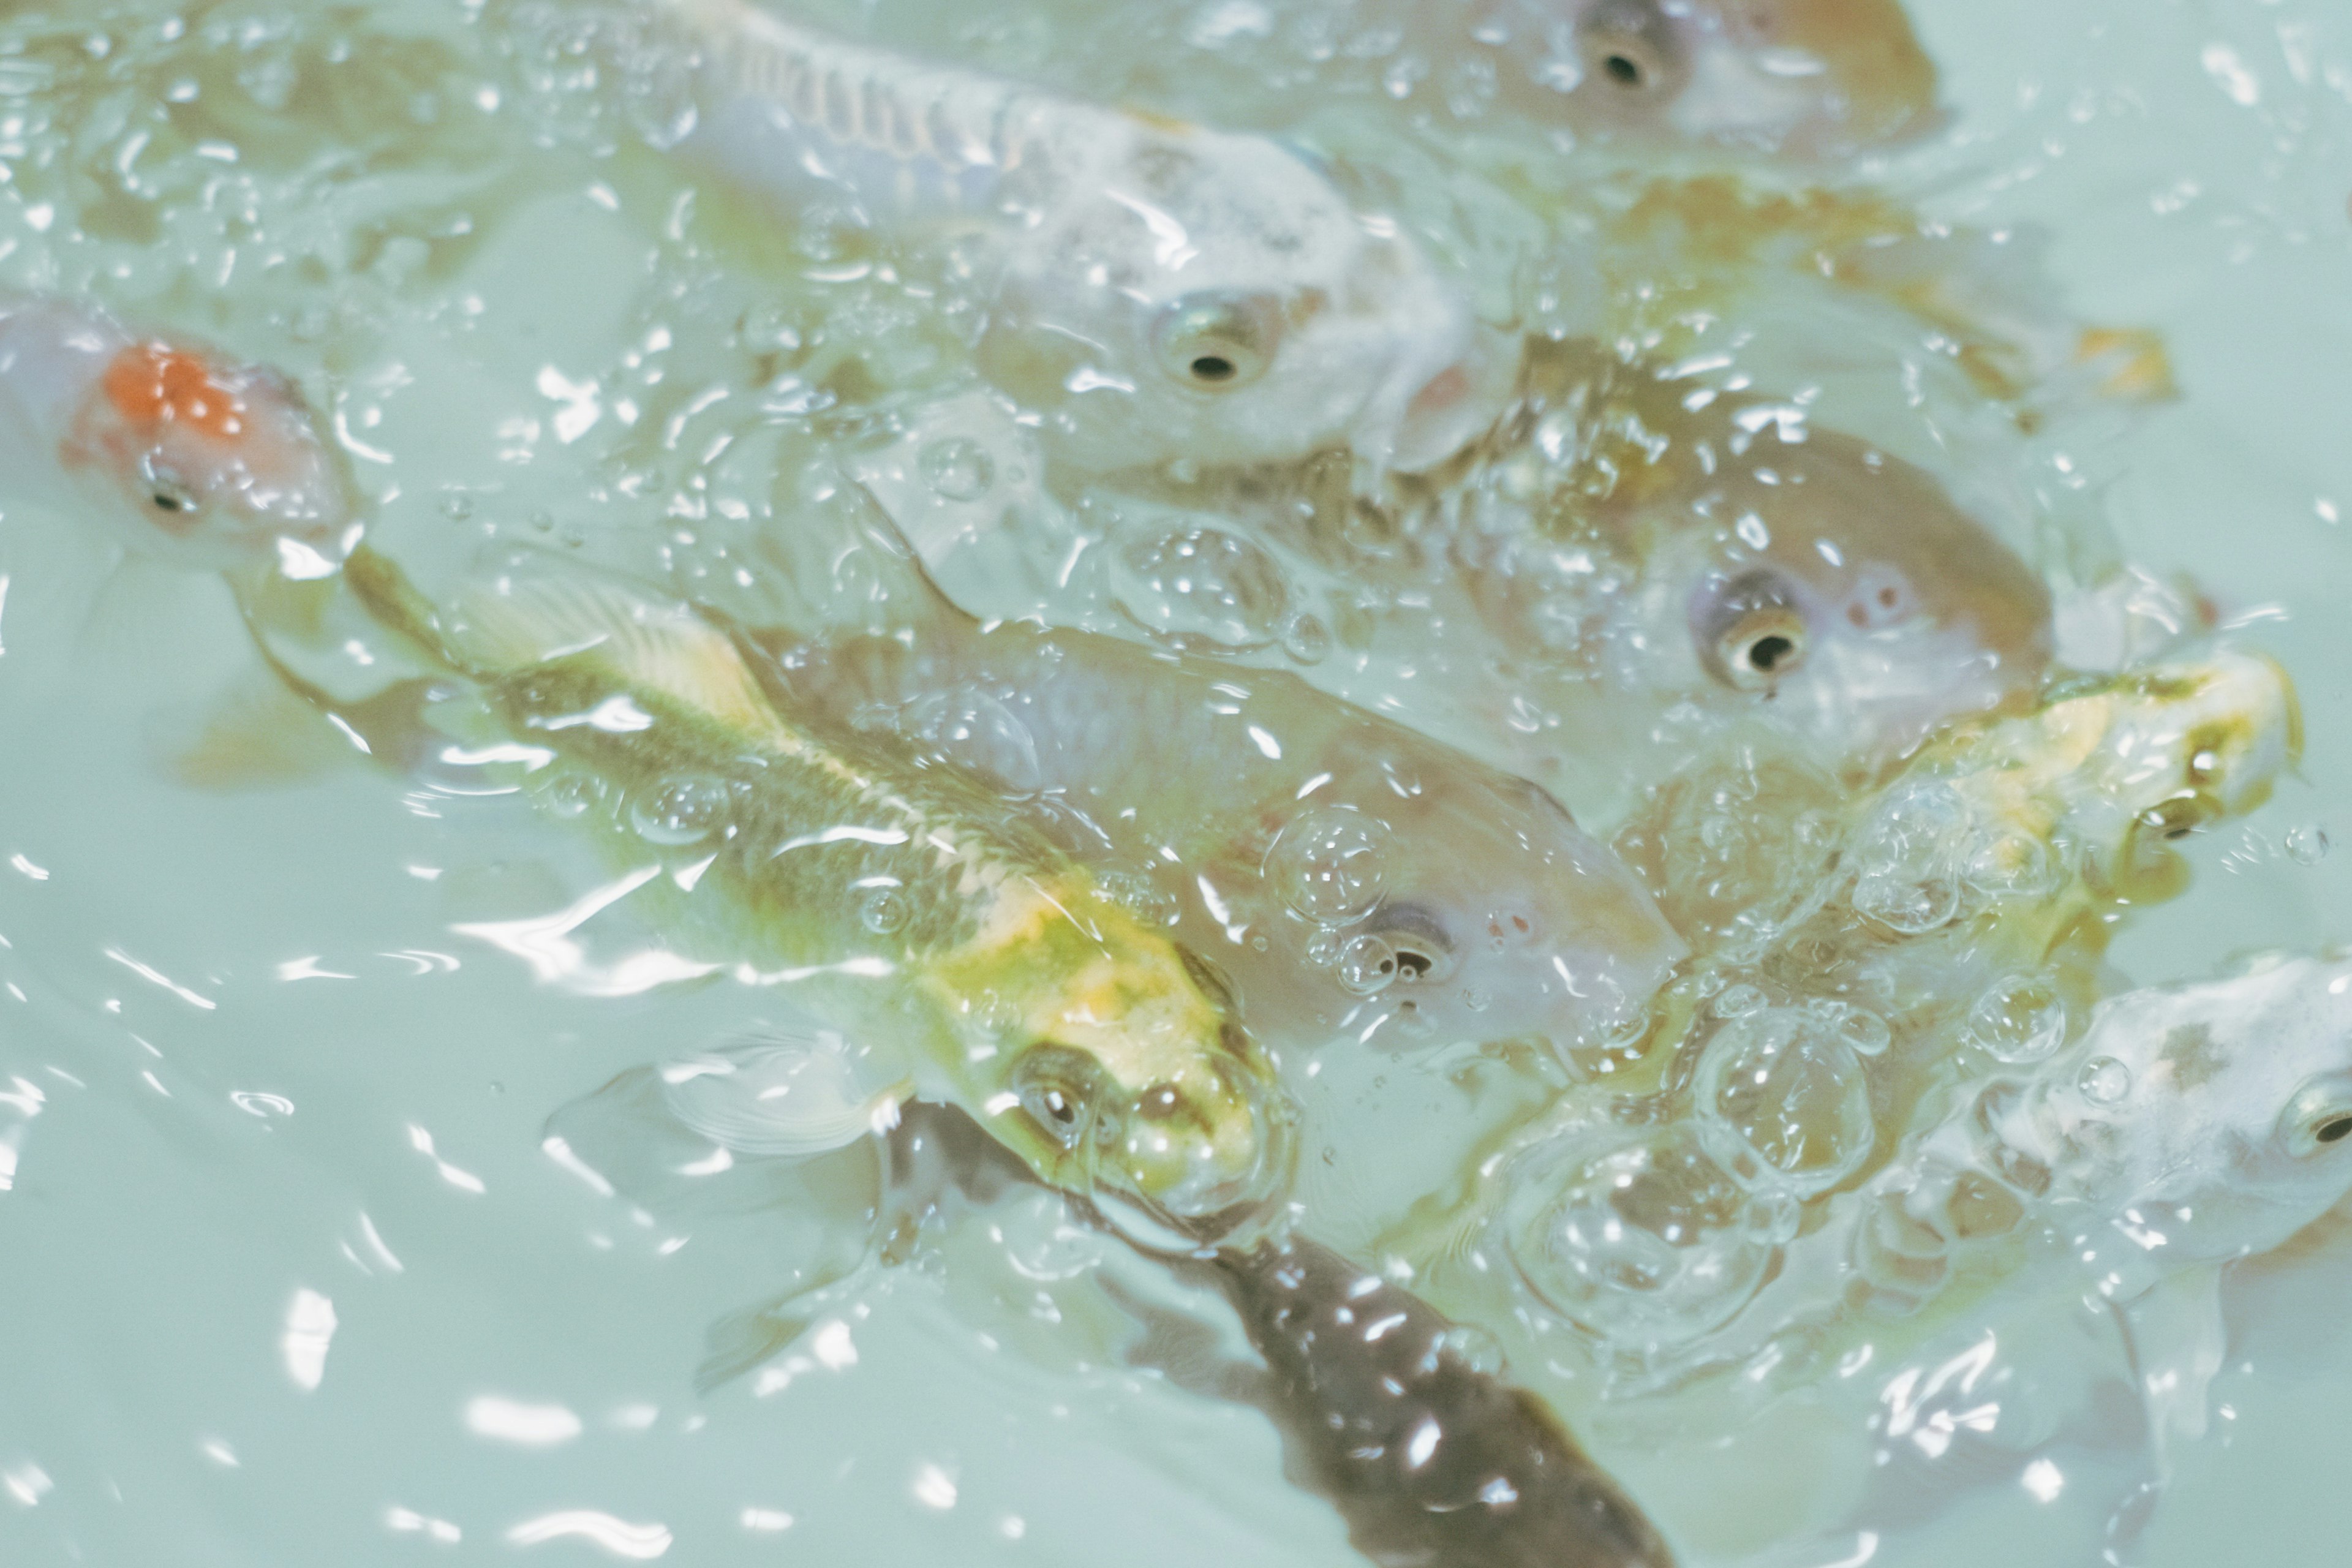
[(2177, 1339), (256, 735), (796, 1090), (531, 607)]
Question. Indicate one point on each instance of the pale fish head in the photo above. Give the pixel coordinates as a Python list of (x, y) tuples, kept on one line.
[(1497, 917), (214, 463), (1834, 592), (2204, 1121), (1809, 78), (1114, 1065), (1213, 297), (2162, 752)]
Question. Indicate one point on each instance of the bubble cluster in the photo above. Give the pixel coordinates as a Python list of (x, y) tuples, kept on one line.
[(1781, 1097), (1908, 855), (1202, 587), (1647, 1244)]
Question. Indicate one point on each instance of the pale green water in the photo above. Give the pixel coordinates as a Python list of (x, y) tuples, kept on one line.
[(252, 1067)]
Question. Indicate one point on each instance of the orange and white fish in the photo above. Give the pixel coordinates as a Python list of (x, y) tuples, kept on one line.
[(1156, 291), (184, 451)]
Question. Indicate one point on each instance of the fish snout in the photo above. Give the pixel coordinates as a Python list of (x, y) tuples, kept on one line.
[(1207, 1148), (1447, 390)]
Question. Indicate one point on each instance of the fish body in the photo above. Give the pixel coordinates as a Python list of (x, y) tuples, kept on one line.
[(1155, 290), (1350, 875), (2189, 1125), (177, 447), (903, 900), (1434, 1462)]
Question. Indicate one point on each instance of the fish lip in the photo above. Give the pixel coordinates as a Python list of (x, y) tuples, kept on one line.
[(1438, 411)]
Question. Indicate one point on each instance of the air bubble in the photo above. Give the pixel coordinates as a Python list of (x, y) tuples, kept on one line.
[(976, 730), (882, 911), (1909, 857), (1911, 908), (682, 812), (2012, 866), (570, 795), (1646, 1246), (2105, 1081), (1865, 1032), (957, 468), (2306, 845), (1326, 864), (1199, 587), (1368, 965), (2020, 1019), (1738, 1000), (1781, 1086), (1306, 639)]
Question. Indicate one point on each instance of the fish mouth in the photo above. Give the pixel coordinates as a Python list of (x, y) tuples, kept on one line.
[(1441, 411)]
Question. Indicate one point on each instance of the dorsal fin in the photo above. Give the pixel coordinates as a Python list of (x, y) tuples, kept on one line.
[(535, 607)]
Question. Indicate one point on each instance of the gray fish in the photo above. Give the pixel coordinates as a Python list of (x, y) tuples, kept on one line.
[(1433, 1462)]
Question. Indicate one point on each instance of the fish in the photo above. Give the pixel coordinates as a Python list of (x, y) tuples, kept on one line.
[(178, 449), (903, 902), (1155, 290), (1633, 557), (2190, 1127), (1432, 1457), (1809, 79), (1349, 875), (1952, 922), (1684, 255), (1434, 1461)]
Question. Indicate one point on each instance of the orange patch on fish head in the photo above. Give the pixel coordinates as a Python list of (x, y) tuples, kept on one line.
[(223, 459), (156, 386)]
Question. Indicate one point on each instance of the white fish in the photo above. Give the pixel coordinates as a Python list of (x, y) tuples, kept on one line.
[(1156, 289)]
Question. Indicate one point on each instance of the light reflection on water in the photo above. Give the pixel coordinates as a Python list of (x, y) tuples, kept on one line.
[(310, 1277)]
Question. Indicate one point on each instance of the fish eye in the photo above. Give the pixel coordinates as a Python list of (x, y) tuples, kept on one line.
[(1750, 631), (2175, 817), (1630, 45), (165, 489), (2319, 1116), (1060, 1089), (1215, 342), (1423, 948), (1210, 980)]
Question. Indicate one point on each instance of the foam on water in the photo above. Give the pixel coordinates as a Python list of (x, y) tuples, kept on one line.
[(299, 1267)]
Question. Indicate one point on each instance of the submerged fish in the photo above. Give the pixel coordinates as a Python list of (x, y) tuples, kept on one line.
[(1807, 78), (1633, 558), (1430, 1457), (2187, 1127), (1952, 922), (905, 901), (1155, 290), (1346, 872), (1434, 1462), (187, 453)]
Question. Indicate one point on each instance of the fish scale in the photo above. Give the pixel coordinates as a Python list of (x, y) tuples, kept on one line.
[(1092, 1044)]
